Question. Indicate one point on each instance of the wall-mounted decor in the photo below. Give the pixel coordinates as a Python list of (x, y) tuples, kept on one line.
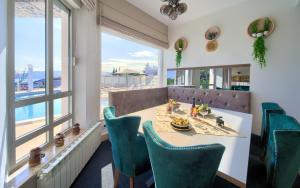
[(212, 46), (180, 45), (260, 29), (212, 34)]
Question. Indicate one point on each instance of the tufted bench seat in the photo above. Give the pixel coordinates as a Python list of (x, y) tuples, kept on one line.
[(127, 102), (225, 99)]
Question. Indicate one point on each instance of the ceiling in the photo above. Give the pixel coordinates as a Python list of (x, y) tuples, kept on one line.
[(196, 8)]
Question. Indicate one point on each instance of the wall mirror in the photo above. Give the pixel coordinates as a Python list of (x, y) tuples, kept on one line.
[(231, 77)]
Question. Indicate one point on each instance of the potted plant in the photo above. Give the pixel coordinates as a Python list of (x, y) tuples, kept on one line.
[(179, 52), (267, 25), (259, 48), (254, 28)]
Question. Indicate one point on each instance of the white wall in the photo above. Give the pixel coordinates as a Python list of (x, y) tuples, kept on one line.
[(279, 81), (86, 39)]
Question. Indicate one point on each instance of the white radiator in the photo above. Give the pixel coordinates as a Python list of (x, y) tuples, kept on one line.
[(63, 170)]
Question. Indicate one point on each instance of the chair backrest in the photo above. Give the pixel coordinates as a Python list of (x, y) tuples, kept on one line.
[(287, 158), (283, 150), (123, 135), (267, 109), (183, 167)]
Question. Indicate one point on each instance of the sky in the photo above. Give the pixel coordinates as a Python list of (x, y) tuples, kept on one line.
[(119, 52), (30, 43), (116, 52)]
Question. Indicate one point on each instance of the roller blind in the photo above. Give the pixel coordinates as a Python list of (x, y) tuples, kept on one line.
[(126, 18), (90, 4)]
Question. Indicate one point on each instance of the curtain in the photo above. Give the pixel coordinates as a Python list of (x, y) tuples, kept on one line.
[(3, 113)]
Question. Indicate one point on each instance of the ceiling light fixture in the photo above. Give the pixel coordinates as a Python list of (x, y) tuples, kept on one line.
[(173, 8)]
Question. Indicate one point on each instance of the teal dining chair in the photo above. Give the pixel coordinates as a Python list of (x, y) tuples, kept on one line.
[(282, 160), (267, 108), (184, 167), (129, 150)]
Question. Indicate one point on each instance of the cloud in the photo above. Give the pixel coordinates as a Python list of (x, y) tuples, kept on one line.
[(143, 54)]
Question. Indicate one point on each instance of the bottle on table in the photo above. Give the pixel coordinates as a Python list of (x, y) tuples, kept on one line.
[(193, 109)]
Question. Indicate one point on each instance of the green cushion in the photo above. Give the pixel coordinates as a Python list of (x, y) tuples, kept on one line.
[(184, 167)]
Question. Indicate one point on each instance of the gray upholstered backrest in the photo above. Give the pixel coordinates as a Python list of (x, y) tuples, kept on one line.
[(226, 99), (127, 102)]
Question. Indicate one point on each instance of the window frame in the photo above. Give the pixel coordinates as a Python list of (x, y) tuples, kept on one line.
[(49, 96)]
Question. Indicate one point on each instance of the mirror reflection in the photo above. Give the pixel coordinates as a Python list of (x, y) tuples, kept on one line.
[(225, 77)]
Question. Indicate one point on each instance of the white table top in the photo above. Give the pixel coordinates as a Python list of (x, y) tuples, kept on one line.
[(234, 163)]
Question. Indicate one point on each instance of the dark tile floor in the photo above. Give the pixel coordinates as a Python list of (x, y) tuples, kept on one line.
[(91, 176)]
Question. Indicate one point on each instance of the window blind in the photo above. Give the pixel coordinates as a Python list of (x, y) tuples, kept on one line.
[(122, 16)]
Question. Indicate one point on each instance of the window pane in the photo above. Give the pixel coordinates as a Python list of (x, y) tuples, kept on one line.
[(29, 118), (126, 65), (60, 47), (24, 149), (30, 77), (171, 75), (61, 107), (61, 128)]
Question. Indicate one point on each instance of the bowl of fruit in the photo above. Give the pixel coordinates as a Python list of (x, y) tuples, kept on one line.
[(180, 124), (203, 110)]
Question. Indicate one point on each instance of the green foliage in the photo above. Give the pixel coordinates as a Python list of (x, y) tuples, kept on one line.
[(178, 57), (180, 43), (267, 24), (179, 53), (254, 27), (170, 81), (259, 51)]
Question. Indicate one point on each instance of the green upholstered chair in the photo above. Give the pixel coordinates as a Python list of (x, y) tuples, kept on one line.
[(267, 108), (184, 167), (282, 159), (129, 149)]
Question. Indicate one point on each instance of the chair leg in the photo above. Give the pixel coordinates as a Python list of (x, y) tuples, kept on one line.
[(131, 182), (116, 178)]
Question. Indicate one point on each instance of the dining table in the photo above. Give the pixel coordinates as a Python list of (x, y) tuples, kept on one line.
[(235, 135)]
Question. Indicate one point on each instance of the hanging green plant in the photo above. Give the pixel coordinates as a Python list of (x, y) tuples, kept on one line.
[(259, 51), (260, 29), (179, 52), (178, 58)]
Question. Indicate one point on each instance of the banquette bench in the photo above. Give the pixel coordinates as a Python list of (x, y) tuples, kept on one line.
[(127, 102)]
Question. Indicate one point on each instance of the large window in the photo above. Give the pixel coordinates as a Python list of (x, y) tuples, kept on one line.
[(127, 65), (42, 76)]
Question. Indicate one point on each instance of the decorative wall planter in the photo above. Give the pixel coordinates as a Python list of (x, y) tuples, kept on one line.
[(212, 34), (180, 45), (260, 29)]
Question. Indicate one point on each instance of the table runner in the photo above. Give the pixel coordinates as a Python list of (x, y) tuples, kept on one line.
[(205, 126)]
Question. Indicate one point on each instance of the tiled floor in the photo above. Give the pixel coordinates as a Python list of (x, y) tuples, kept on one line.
[(98, 172)]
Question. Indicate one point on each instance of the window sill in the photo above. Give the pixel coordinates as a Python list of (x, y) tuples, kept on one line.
[(25, 173)]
